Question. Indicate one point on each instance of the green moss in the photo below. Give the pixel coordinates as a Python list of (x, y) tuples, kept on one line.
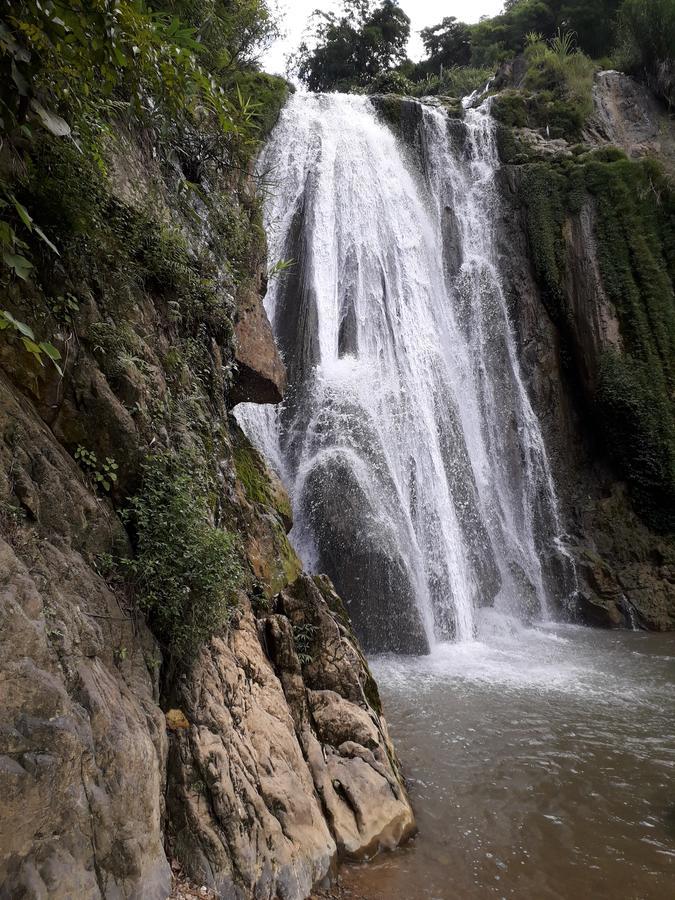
[(507, 146), (635, 237), (559, 117), (390, 107), (254, 475), (510, 108), (116, 252)]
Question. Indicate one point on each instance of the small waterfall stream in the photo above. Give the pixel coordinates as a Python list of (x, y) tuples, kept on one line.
[(415, 462)]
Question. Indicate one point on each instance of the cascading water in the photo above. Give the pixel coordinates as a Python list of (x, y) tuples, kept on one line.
[(415, 462)]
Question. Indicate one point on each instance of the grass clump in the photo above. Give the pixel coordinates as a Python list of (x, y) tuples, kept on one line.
[(556, 94), (186, 570)]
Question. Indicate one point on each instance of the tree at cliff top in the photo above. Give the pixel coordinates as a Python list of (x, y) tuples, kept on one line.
[(350, 49), (492, 40), (647, 29)]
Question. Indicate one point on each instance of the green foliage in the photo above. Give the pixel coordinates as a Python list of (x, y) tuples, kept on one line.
[(266, 93), (60, 60), (639, 431), (592, 22), (186, 570), (103, 474), (557, 93), (304, 638), (230, 33), (69, 69), (647, 32), (458, 81), (39, 350), (65, 308), (121, 251), (252, 473), (350, 49), (447, 44), (390, 82)]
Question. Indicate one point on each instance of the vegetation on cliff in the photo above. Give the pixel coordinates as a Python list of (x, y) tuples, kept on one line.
[(129, 224), (634, 210)]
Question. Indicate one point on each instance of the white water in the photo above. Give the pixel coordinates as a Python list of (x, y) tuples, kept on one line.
[(407, 440)]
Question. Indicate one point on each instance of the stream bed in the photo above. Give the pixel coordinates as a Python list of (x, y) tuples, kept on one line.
[(541, 764)]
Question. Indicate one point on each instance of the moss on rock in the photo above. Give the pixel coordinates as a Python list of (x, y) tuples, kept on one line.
[(635, 237)]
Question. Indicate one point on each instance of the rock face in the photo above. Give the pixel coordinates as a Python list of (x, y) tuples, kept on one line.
[(264, 761), (627, 115), (566, 331), (261, 376), (286, 766), (82, 740)]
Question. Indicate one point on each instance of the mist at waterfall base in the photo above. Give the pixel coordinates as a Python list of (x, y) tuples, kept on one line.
[(540, 755)]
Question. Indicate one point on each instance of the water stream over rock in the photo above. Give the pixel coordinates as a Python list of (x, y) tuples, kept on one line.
[(416, 464)]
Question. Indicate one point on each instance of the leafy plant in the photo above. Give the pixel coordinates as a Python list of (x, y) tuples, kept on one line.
[(304, 638), (186, 569), (103, 474), (563, 44), (39, 350), (65, 308), (279, 267)]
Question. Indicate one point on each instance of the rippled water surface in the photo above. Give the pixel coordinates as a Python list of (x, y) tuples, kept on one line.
[(541, 765)]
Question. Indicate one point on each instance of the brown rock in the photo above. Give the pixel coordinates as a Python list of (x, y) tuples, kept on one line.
[(261, 374)]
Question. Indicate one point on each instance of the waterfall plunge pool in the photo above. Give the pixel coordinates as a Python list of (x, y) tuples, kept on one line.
[(541, 765)]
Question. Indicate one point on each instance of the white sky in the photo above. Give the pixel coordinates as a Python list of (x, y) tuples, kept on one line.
[(295, 15)]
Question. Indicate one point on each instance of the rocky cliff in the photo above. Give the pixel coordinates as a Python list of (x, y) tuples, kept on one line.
[(172, 686), (587, 238)]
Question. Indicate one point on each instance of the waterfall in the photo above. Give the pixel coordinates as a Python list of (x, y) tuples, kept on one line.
[(414, 459)]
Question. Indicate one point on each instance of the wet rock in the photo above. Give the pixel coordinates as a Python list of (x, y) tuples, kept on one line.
[(361, 556), (341, 728), (81, 739)]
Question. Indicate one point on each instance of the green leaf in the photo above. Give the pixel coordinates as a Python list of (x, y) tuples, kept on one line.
[(33, 348), (40, 233), (24, 215), (21, 327), (50, 120), (7, 236), (20, 264), (50, 350), (19, 80)]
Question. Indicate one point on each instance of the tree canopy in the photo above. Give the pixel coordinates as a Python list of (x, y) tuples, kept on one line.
[(354, 47), (363, 46)]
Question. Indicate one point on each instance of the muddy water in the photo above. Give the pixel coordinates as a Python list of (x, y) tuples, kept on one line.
[(541, 765)]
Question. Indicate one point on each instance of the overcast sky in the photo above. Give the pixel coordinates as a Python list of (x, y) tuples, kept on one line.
[(295, 14)]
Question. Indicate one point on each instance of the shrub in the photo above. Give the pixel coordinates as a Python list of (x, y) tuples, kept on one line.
[(186, 570), (390, 83), (458, 81)]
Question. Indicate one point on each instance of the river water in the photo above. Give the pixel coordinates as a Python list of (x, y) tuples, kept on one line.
[(541, 765)]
